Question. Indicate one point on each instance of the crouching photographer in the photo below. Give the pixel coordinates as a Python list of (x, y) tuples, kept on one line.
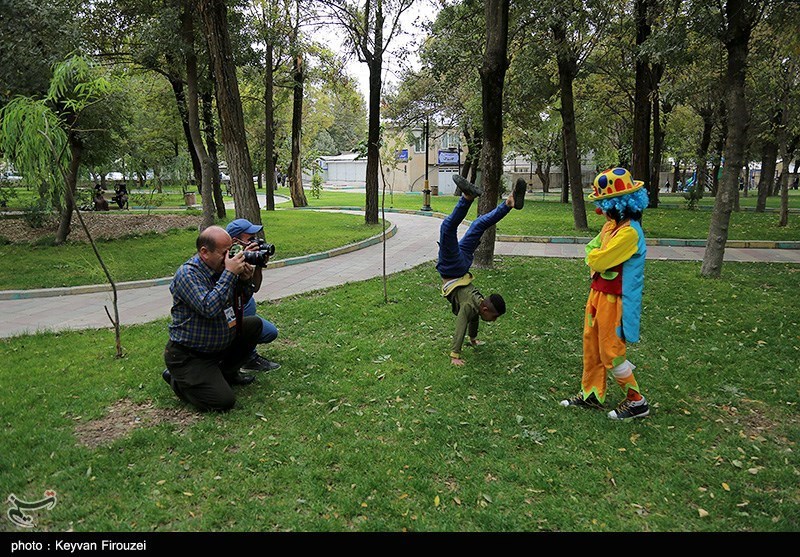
[(209, 339), (257, 253)]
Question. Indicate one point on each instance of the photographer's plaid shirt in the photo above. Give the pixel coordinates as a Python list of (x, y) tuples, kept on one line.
[(199, 299)]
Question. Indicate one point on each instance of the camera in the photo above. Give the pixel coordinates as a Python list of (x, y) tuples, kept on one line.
[(257, 257)]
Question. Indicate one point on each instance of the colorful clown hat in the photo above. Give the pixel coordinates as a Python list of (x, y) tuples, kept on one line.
[(614, 182)]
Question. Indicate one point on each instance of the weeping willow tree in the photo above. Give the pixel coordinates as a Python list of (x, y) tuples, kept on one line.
[(43, 140)]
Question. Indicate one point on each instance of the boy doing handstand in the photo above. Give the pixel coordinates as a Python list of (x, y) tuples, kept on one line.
[(455, 260)]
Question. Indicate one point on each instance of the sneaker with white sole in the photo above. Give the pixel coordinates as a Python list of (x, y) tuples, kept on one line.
[(578, 400), (629, 409)]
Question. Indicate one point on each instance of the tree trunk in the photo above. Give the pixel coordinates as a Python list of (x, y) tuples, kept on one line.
[(544, 175), (211, 143), (76, 150), (374, 121), (676, 176), (493, 73), (296, 176), (786, 157), (702, 153), (564, 168), (567, 69), (736, 43), (269, 128), (658, 142), (641, 107), (769, 159), (180, 99), (205, 187), (229, 106), (467, 159)]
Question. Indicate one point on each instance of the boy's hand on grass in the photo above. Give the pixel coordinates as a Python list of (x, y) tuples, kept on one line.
[(457, 362)]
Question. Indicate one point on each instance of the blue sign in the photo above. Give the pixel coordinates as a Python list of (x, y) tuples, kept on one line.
[(402, 156), (448, 158)]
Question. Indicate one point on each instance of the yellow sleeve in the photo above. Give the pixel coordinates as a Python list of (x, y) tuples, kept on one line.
[(619, 249)]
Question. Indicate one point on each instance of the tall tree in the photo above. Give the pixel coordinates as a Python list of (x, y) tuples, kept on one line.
[(206, 186), (229, 107), (573, 41), (298, 77), (642, 107), (493, 73), (739, 17), (371, 28)]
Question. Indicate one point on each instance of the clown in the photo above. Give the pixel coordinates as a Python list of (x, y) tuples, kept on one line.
[(616, 259)]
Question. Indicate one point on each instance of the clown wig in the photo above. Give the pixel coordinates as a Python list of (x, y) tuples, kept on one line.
[(621, 207)]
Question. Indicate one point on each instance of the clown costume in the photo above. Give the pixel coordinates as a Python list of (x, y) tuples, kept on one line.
[(616, 259)]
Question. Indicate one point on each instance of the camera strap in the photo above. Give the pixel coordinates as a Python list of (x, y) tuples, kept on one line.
[(238, 309)]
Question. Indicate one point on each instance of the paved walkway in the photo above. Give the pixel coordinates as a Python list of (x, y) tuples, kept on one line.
[(414, 243)]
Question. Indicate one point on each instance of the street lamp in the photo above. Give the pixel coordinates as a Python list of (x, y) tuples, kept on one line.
[(426, 192)]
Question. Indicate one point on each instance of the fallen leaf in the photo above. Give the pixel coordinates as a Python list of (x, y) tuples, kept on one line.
[(188, 493), (726, 487), (457, 500), (753, 471), (161, 482), (404, 495), (436, 501), (363, 504), (737, 463), (702, 512), (486, 497)]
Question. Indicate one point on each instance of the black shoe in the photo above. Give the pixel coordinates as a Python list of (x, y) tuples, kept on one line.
[(240, 379), (467, 187), (167, 376), (578, 400), (629, 409), (259, 363), (519, 193)]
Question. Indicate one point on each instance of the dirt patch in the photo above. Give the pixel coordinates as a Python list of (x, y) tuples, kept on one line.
[(107, 226), (124, 416)]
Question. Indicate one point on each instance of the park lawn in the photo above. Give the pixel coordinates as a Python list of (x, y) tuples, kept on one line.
[(555, 219), (368, 427), (550, 218), (152, 255)]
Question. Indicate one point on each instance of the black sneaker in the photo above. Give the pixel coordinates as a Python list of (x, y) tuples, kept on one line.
[(259, 363), (167, 376), (519, 193), (466, 186), (240, 379), (629, 409), (578, 400)]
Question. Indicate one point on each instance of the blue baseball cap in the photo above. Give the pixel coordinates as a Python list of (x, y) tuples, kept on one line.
[(242, 226)]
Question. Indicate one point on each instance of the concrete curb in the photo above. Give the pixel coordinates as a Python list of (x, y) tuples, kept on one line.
[(92, 288)]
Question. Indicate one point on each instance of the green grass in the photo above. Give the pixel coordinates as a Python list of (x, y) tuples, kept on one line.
[(550, 218), (367, 426), (294, 233)]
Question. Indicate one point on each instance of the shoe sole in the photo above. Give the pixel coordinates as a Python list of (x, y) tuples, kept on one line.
[(519, 193), (466, 186), (590, 406)]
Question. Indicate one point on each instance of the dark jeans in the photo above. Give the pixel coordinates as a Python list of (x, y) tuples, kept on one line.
[(455, 257), (203, 379)]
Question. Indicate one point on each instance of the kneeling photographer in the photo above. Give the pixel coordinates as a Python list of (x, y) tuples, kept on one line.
[(243, 232)]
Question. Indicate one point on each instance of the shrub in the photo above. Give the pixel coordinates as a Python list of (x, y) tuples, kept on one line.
[(36, 214), (316, 185)]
